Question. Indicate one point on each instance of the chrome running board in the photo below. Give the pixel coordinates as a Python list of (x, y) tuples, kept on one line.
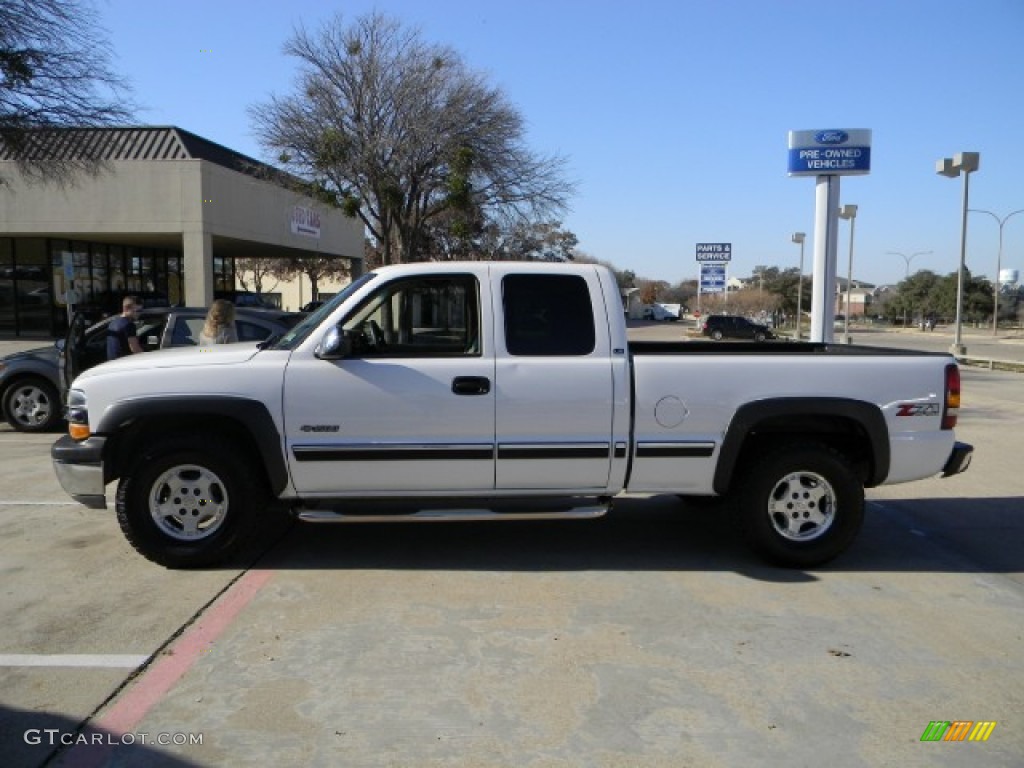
[(450, 515)]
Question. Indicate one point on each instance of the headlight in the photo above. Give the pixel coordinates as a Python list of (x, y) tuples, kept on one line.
[(77, 414)]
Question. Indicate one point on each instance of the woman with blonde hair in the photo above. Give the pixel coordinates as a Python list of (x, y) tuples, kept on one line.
[(220, 324)]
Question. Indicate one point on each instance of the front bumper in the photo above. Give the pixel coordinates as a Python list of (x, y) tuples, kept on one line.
[(79, 469), (959, 459)]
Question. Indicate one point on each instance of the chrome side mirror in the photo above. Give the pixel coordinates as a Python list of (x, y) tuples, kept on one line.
[(335, 345)]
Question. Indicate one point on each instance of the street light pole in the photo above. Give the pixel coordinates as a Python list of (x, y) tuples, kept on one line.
[(799, 237), (848, 212), (999, 263), (906, 275), (966, 162)]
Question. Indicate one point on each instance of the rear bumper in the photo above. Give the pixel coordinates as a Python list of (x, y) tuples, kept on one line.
[(79, 469), (959, 459)]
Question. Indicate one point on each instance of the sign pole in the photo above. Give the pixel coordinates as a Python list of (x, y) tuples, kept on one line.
[(826, 246), (827, 155)]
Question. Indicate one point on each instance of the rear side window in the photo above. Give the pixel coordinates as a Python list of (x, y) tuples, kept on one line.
[(186, 331), (547, 315), (251, 331)]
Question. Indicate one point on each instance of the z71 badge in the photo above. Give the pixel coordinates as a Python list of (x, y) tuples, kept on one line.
[(917, 409)]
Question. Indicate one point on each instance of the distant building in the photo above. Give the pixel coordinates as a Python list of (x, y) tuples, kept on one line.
[(860, 298), (168, 216)]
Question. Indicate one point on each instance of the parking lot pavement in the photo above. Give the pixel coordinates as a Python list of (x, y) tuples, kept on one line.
[(79, 610), (647, 638)]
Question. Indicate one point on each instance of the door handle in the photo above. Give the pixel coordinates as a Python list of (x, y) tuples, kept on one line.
[(471, 385)]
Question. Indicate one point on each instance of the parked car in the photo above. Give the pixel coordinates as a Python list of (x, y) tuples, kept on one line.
[(31, 381), (663, 312), (735, 327), (245, 299)]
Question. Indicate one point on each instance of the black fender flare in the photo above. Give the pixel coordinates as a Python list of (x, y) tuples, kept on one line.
[(251, 416), (867, 416)]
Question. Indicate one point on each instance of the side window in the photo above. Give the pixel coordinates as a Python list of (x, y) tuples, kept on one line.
[(250, 331), (419, 317), (186, 331), (548, 315), (150, 333)]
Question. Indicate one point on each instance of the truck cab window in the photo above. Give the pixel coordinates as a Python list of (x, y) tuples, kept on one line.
[(419, 317), (547, 315)]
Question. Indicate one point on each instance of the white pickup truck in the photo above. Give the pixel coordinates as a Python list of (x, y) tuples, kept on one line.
[(499, 390)]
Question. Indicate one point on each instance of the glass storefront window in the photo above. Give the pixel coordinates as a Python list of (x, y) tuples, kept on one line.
[(6, 285), (117, 270), (33, 280), (35, 304)]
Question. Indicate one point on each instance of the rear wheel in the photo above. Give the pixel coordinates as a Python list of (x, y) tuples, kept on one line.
[(716, 335), (187, 502), (32, 405), (802, 506)]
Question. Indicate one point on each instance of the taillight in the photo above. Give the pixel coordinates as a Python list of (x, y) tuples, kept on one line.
[(952, 406)]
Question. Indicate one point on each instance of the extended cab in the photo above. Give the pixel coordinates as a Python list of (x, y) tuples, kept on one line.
[(498, 390)]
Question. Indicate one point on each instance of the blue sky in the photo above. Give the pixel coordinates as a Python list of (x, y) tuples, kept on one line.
[(674, 115)]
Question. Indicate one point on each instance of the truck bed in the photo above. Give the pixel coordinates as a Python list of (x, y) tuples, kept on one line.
[(770, 348)]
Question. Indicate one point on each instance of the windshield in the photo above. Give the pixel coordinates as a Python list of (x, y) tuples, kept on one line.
[(298, 334)]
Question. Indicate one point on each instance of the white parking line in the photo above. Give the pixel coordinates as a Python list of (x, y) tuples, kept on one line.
[(96, 660), (39, 504)]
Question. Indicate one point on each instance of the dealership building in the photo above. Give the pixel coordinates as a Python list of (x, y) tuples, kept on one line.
[(167, 216)]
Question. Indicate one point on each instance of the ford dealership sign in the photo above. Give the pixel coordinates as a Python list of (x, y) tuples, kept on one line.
[(832, 137), (829, 152)]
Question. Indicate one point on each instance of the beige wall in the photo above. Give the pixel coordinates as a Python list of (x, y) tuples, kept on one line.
[(180, 204), (131, 197), (244, 208)]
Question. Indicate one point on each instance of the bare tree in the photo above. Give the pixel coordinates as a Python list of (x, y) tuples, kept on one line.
[(398, 132), (257, 271), (318, 268), (55, 74)]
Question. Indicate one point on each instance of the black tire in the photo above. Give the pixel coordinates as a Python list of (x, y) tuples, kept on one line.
[(188, 501), (759, 336), (32, 405), (716, 335), (802, 505)]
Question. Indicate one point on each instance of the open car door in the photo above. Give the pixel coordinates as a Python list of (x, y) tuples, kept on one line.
[(70, 363)]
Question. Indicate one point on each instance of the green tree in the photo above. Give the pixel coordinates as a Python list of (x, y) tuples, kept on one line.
[(921, 293), (784, 284)]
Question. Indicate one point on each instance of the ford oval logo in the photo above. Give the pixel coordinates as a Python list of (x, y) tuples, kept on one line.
[(831, 137)]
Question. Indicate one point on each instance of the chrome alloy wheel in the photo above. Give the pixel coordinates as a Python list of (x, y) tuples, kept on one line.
[(802, 506), (31, 405), (188, 502)]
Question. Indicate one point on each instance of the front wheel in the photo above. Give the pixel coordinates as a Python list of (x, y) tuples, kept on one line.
[(802, 506), (185, 504), (32, 405)]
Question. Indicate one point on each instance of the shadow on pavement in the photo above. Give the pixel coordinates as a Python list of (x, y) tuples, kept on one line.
[(662, 533), (32, 739)]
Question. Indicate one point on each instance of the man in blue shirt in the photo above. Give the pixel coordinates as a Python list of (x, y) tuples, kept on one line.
[(122, 337)]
